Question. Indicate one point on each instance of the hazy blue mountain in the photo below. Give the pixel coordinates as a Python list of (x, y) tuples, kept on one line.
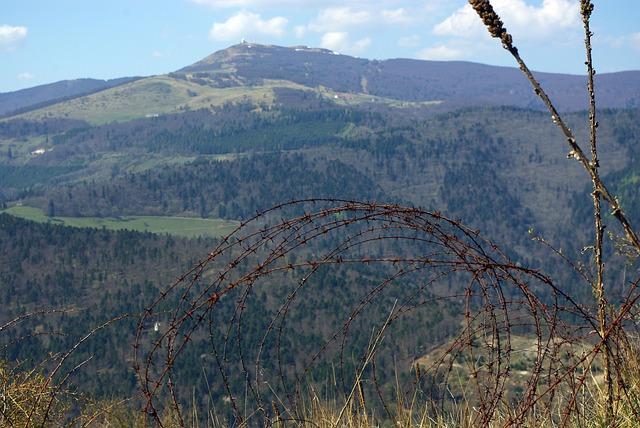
[(42, 95), (261, 73), (455, 82)]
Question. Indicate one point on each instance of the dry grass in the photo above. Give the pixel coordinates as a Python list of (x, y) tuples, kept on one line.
[(28, 399)]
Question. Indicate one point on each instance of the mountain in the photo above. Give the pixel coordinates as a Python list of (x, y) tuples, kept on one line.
[(254, 126), (39, 96), (454, 82), (259, 72)]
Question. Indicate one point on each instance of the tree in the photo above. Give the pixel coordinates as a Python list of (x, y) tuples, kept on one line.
[(51, 209)]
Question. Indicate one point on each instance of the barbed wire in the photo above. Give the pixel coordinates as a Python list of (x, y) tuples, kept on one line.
[(432, 259)]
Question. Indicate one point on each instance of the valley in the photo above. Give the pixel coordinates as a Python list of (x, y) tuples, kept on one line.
[(143, 202)]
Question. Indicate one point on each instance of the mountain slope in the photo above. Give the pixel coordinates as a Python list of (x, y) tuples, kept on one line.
[(256, 71), (254, 126), (12, 102), (455, 82), (153, 96)]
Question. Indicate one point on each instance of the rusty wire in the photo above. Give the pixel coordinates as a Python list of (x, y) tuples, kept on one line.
[(424, 257)]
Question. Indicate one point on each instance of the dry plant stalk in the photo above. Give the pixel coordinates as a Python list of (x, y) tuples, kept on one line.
[(24, 400), (600, 191), (496, 29), (40, 396), (586, 9)]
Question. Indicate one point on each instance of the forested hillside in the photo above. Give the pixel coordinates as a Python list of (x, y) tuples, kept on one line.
[(88, 276), (92, 276), (12, 103), (253, 127)]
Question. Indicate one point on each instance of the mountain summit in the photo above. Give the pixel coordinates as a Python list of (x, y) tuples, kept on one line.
[(458, 83), (263, 73), (248, 51)]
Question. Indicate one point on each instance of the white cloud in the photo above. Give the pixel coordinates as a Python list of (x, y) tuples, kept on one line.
[(10, 37), (620, 42), (228, 3), (26, 76), (334, 16), (360, 45), (245, 24), (339, 41), (397, 16), (520, 18), (371, 5), (334, 40), (339, 19), (635, 41), (409, 41), (300, 31), (441, 53)]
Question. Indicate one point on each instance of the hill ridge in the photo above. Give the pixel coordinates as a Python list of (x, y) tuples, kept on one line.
[(256, 72)]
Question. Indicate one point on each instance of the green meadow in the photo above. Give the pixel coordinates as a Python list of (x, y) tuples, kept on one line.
[(153, 96), (178, 226)]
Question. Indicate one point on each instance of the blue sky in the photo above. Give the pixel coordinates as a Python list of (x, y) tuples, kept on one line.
[(43, 41)]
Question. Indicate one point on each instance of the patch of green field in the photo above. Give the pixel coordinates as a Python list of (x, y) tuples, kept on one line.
[(21, 149), (354, 99), (153, 96), (178, 226), (469, 366), (630, 180), (165, 95), (152, 162)]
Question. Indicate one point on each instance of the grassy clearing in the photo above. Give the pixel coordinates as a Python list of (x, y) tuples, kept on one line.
[(354, 99), (178, 226), (153, 96), (165, 95), (149, 96), (21, 148), (152, 162)]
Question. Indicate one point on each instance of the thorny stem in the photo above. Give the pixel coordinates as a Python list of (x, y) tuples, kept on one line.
[(577, 153), (491, 19), (586, 9), (495, 26)]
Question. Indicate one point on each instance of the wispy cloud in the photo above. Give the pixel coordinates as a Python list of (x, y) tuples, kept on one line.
[(409, 41), (339, 19), (634, 41), (344, 18), (371, 5), (339, 41), (230, 3), (300, 31), (26, 76), (397, 16), (624, 41), (247, 24), (441, 53), (522, 19), (11, 37)]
